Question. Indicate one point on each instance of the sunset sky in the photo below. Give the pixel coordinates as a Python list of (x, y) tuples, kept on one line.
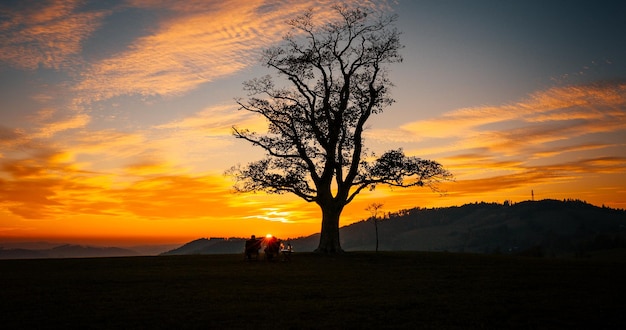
[(116, 116)]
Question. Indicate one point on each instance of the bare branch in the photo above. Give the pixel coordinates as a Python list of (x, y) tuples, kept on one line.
[(336, 79)]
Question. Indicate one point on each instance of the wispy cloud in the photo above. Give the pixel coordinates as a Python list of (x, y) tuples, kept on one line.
[(555, 115), (198, 42), (52, 127), (10, 139), (28, 186), (563, 135), (50, 187), (214, 121), (45, 33), (49, 184), (107, 145)]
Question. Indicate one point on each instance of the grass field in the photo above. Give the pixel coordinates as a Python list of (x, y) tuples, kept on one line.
[(355, 290)]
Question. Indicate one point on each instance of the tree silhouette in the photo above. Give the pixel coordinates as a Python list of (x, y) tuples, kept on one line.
[(335, 79), (373, 208)]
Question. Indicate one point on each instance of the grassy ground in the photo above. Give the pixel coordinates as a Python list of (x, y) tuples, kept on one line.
[(355, 290)]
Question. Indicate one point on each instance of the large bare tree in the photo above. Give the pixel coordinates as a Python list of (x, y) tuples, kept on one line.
[(334, 78)]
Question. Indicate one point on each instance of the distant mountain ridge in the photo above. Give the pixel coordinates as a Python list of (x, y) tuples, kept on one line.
[(547, 227), (66, 251)]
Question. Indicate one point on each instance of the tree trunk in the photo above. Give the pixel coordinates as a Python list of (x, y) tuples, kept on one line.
[(329, 236)]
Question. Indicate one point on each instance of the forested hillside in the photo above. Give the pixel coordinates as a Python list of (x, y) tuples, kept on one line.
[(547, 227), (541, 228)]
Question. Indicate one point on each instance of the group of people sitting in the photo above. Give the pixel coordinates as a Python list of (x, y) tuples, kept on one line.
[(272, 246)]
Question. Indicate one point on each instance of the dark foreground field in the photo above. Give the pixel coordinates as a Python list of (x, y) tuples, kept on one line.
[(355, 290)]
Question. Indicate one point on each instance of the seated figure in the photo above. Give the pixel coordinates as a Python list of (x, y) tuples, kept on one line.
[(286, 251), (253, 246), (272, 247)]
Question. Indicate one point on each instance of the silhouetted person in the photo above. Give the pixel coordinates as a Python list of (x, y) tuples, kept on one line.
[(286, 251), (272, 248), (253, 246)]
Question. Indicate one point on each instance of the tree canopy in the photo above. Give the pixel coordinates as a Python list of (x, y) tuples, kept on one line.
[(334, 79)]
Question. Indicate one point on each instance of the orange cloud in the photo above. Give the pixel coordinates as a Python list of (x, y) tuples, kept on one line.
[(174, 197), (46, 33), (52, 128), (29, 186), (597, 105), (558, 114), (51, 185), (10, 139), (204, 136), (215, 121), (557, 138), (45, 186), (197, 42), (560, 150)]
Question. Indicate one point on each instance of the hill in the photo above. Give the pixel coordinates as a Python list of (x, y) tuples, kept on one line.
[(547, 227), (210, 246)]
